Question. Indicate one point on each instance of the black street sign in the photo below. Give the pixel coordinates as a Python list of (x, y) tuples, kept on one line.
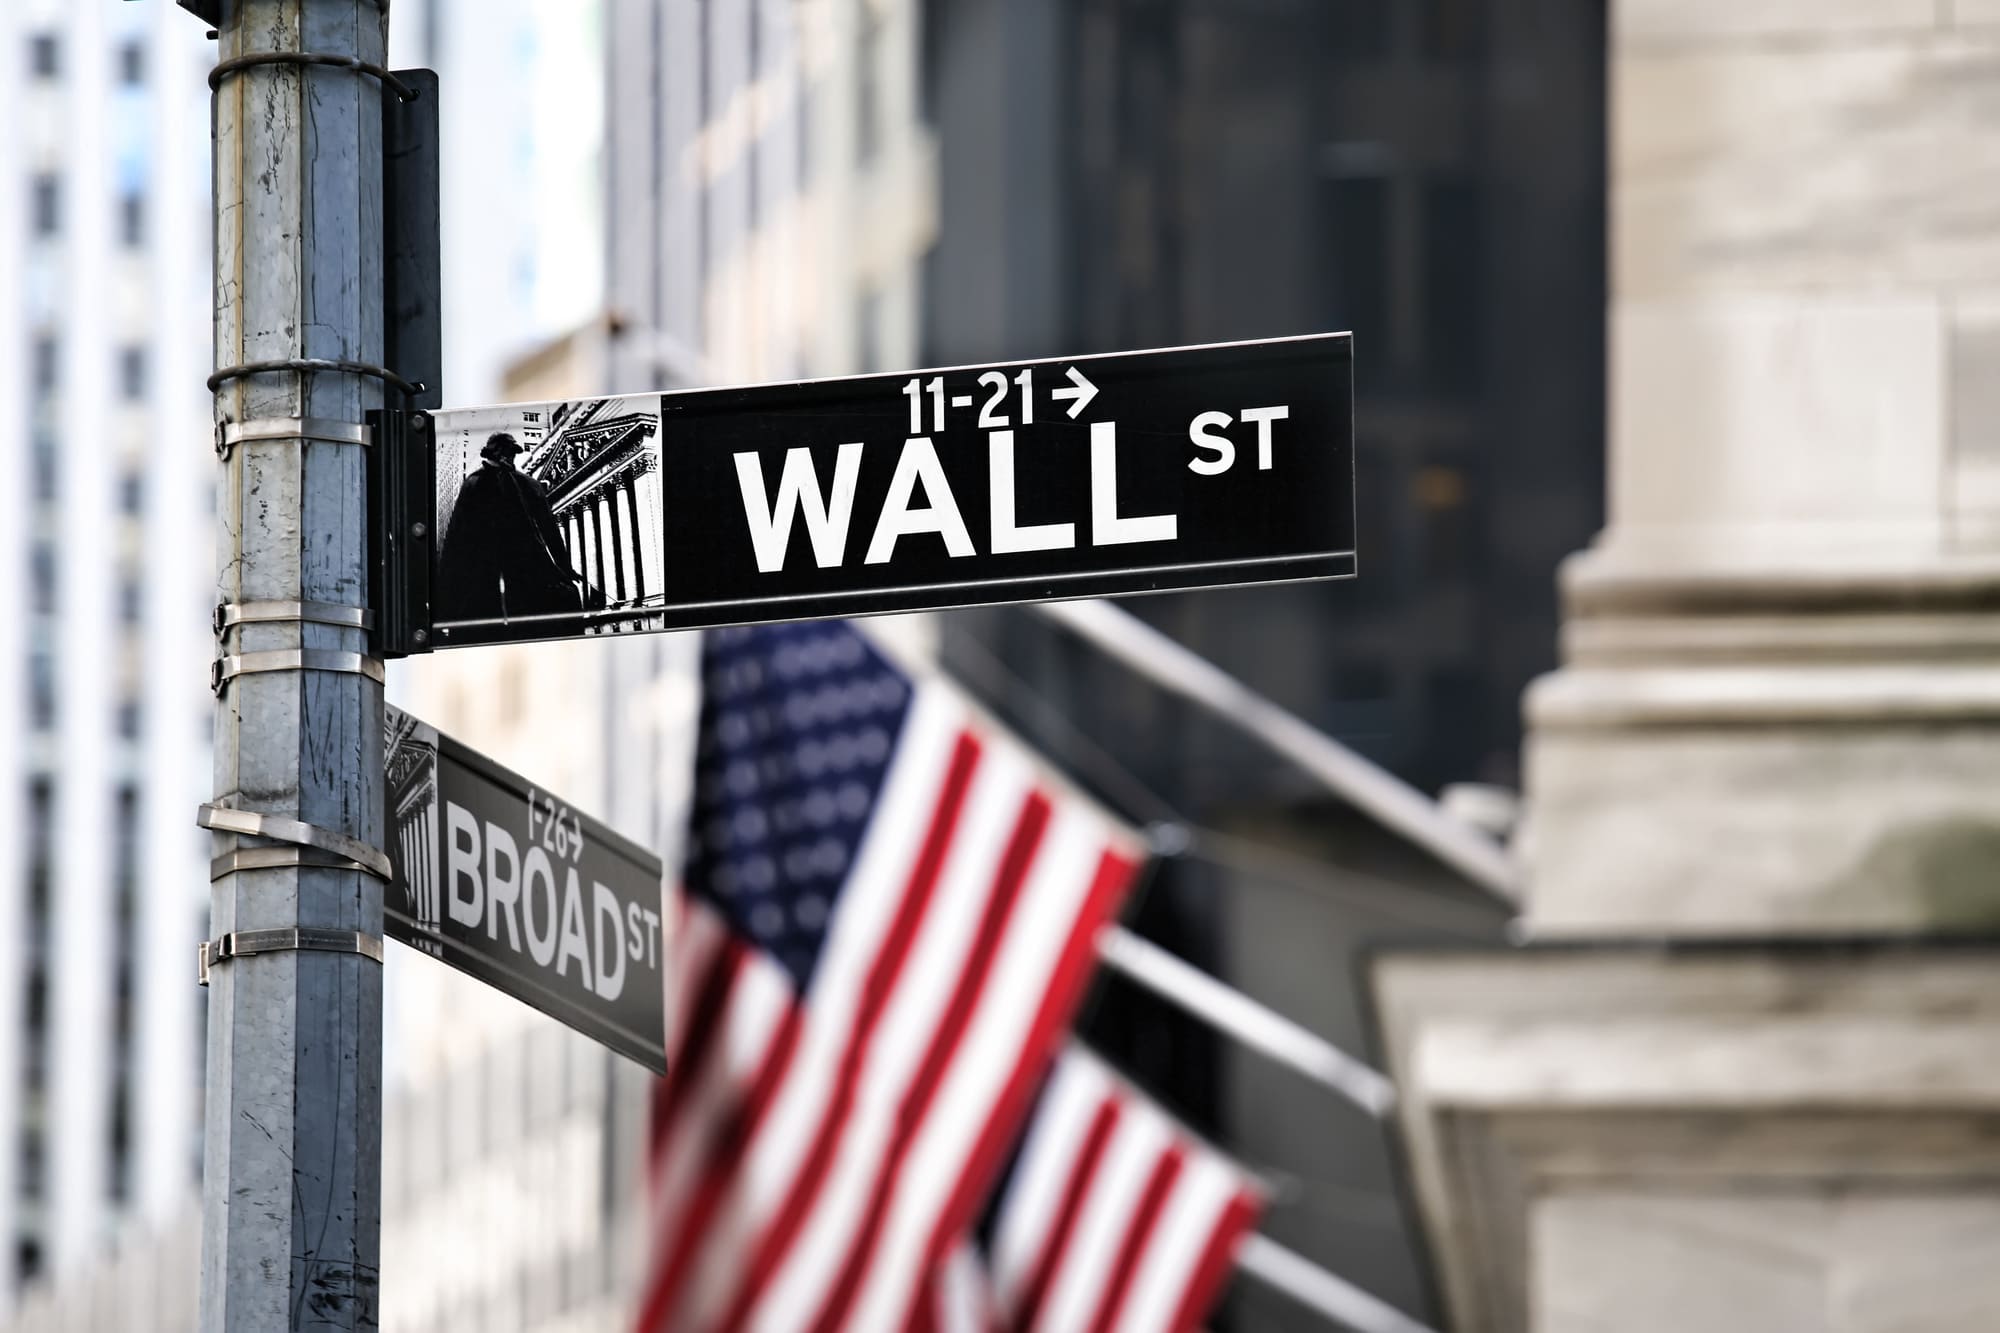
[(1080, 476), (508, 884)]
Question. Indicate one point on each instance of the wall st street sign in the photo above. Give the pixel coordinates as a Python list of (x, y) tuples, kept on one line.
[(507, 883), (1082, 476)]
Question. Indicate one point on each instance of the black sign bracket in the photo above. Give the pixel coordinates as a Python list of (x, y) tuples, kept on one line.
[(402, 507), (412, 266)]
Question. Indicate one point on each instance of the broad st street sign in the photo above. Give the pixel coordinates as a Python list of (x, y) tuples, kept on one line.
[(508, 884), (1082, 476)]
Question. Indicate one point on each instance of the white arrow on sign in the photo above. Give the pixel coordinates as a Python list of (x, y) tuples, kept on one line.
[(1081, 394)]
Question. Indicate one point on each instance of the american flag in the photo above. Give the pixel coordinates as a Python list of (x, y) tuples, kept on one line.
[(890, 914), (1115, 1217)]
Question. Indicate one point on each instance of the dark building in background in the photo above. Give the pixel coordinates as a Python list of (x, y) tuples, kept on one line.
[(1131, 173)]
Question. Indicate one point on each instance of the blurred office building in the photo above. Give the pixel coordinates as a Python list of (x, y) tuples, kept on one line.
[(740, 242), (105, 514), (503, 1169), (496, 1119), (520, 123), (1132, 173), (511, 1143), (767, 203), (513, 1190), (770, 189)]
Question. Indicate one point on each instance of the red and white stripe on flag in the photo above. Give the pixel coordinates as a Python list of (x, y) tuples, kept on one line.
[(817, 1157), (1116, 1217)]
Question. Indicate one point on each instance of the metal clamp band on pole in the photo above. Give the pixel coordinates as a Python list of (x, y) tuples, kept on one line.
[(320, 939), (224, 68), (305, 364), (278, 828), (229, 434), (228, 668), (278, 858), (229, 614)]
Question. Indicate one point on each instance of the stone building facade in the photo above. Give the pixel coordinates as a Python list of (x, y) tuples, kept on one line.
[(1741, 1076)]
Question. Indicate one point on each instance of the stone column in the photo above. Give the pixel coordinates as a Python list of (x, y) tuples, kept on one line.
[(1743, 1075), (1782, 679)]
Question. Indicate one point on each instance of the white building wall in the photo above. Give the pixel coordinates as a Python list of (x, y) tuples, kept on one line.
[(122, 630), (747, 237), (495, 1180), (502, 1210), (771, 188), (498, 1208), (87, 646), (521, 113), (179, 481), (16, 507), (140, 1285)]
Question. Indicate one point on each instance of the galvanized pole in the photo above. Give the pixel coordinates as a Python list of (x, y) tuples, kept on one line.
[(291, 1207)]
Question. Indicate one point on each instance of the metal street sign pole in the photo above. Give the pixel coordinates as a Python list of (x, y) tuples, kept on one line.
[(291, 1193), (1130, 472)]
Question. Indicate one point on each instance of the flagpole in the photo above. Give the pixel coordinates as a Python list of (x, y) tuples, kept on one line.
[(1214, 1002), (1245, 1019), (1369, 788), (1322, 1292)]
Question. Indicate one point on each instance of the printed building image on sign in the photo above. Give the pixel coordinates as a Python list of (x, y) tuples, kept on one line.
[(508, 884), (549, 515), (1082, 476)]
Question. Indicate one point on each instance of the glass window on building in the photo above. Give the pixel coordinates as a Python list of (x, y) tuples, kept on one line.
[(802, 111), (41, 825), (27, 1258), (44, 55), (121, 1142), (1452, 305), (132, 220), (1440, 494), (132, 373), (34, 1162), (125, 864), (46, 206), (47, 467), (42, 578), (35, 1018), (132, 492), (868, 85), (35, 1010), (125, 872), (132, 63), (41, 690), (1361, 32), (1451, 30), (869, 340), (48, 364)]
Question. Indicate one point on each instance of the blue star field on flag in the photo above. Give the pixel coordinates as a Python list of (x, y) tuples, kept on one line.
[(798, 726)]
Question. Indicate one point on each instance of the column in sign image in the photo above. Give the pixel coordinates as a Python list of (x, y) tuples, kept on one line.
[(411, 770)]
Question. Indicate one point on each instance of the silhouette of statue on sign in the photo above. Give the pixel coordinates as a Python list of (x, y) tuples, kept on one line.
[(504, 556)]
